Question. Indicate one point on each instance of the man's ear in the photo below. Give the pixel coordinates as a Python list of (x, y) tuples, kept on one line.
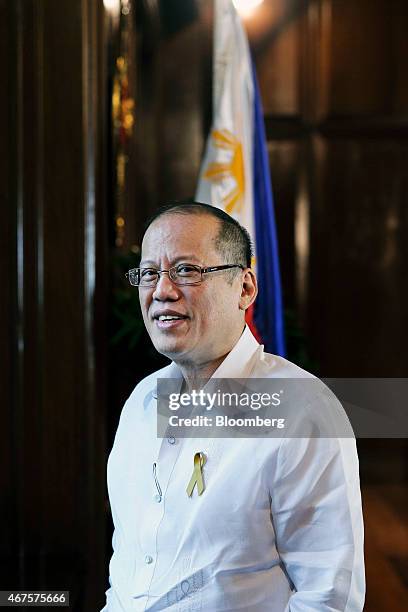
[(249, 289)]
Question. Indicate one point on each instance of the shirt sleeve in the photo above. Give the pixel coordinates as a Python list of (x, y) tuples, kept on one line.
[(317, 517)]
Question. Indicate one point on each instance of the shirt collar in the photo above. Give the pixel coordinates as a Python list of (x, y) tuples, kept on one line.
[(239, 361), (237, 364)]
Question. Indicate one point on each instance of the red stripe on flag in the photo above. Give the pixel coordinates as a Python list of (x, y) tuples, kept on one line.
[(249, 318)]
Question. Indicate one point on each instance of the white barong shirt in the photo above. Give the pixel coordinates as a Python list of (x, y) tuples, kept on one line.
[(278, 527)]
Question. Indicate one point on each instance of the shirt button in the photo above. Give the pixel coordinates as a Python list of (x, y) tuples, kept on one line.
[(157, 498), (148, 559), (171, 440)]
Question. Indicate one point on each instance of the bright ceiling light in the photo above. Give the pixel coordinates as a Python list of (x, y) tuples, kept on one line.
[(246, 7)]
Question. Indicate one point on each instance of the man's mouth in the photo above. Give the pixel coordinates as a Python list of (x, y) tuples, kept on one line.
[(169, 320)]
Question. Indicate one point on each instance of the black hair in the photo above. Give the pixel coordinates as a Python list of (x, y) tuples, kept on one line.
[(233, 240)]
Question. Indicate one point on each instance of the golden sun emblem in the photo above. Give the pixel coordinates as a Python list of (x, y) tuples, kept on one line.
[(233, 168)]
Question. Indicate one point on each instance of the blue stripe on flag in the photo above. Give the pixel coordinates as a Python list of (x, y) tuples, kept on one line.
[(268, 316)]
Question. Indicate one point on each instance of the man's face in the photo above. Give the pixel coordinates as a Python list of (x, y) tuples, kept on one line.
[(211, 313)]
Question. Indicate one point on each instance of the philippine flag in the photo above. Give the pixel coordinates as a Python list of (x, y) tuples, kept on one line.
[(234, 173)]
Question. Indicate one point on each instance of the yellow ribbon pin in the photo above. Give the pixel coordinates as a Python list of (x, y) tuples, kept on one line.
[(197, 475)]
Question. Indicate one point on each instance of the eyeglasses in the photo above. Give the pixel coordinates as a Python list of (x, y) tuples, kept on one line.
[(183, 274)]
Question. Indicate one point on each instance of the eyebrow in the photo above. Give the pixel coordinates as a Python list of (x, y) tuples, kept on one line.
[(183, 258)]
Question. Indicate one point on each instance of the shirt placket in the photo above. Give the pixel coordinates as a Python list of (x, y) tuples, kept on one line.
[(161, 468)]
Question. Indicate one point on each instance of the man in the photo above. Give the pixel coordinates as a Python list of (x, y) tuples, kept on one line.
[(277, 524)]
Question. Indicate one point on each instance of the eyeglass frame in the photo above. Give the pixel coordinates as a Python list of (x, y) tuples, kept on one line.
[(206, 270)]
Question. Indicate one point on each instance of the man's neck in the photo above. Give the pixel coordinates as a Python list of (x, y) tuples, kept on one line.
[(196, 374)]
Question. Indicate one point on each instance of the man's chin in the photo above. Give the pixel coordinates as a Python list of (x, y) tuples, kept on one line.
[(170, 348)]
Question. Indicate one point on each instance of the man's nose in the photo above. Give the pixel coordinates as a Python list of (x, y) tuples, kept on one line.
[(165, 289)]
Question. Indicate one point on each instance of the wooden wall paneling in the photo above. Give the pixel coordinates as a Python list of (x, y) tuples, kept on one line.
[(147, 104), (32, 426), (53, 473), (9, 151), (170, 104), (319, 247), (71, 166), (331, 29), (146, 143), (360, 283), (19, 296), (179, 126), (315, 27), (356, 168), (96, 299), (285, 162), (64, 367), (363, 61), (274, 36), (399, 57)]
